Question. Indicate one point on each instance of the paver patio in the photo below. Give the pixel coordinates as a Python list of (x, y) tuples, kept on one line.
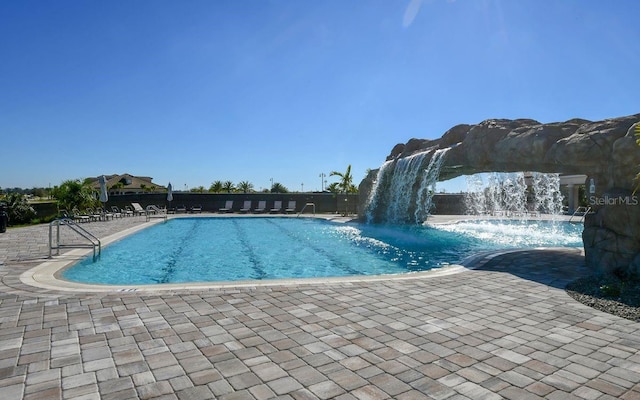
[(504, 330)]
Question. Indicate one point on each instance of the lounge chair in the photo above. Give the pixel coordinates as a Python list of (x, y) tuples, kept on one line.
[(115, 211), (277, 207), (125, 212), (291, 207), (196, 209), (246, 207), (64, 214), (138, 210), (181, 209), (78, 216), (262, 206), (228, 206), (105, 214), (94, 215)]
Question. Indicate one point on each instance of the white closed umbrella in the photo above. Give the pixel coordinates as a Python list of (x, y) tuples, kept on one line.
[(169, 193), (104, 195)]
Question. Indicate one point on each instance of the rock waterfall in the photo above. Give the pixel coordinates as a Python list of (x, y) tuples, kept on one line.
[(605, 151)]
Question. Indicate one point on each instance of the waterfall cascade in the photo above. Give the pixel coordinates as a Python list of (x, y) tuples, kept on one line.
[(375, 194), (403, 190), (546, 189), (424, 199), (514, 194)]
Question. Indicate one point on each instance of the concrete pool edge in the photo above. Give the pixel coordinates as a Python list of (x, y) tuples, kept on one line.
[(43, 280)]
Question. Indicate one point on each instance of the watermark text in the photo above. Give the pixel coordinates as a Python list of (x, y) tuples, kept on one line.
[(614, 200)]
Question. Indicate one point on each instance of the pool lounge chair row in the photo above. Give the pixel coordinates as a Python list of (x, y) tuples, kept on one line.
[(260, 208), (181, 209), (93, 214), (102, 214), (152, 211), (89, 215)]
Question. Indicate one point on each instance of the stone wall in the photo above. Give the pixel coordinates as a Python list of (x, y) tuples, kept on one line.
[(212, 202), (448, 204)]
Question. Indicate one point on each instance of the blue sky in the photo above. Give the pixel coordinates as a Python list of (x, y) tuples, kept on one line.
[(190, 92)]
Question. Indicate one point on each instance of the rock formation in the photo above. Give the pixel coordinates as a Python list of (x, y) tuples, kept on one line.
[(605, 151)]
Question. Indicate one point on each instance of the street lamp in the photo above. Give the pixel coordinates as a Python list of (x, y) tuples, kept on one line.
[(322, 175), (302, 187), (271, 180)]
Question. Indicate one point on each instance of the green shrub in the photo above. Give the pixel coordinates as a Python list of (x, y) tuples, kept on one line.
[(19, 210)]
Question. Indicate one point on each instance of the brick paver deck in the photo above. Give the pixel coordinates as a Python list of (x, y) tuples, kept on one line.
[(505, 330)]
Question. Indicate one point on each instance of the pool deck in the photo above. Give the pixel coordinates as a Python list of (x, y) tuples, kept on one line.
[(504, 328)]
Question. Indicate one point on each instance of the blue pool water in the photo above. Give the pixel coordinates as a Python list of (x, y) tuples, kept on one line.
[(230, 249)]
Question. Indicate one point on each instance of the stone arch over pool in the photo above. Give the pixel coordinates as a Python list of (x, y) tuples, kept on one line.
[(605, 151)]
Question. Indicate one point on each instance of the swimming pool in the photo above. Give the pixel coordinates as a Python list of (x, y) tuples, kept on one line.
[(232, 249)]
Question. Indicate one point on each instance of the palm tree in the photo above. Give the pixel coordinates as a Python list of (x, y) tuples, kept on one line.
[(117, 186), (333, 187), (228, 186), (74, 193), (346, 181), (345, 185), (216, 187), (245, 186), (279, 188)]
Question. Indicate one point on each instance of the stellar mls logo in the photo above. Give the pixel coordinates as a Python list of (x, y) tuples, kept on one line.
[(614, 201), (607, 200)]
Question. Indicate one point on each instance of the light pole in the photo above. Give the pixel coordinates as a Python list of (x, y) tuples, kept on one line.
[(302, 187), (322, 175), (271, 180)]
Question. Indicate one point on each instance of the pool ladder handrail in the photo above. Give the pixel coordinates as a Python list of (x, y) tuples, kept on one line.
[(93, 242), (313, 205), (153, 211), (582, 210)]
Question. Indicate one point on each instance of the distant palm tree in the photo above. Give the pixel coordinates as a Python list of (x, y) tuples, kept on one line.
[(346, 181), (228, 186), (116, 187), (333, 187), (279, 188), (245, 186), (199, 189), (216, 187), (345, 185)]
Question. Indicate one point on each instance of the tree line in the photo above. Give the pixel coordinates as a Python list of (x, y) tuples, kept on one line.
[(80, 194), (344, 185)]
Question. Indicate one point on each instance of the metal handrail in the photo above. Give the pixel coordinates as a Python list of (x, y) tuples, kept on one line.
[(94, 242), (582, 209), (305, 206), (154, 212)]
